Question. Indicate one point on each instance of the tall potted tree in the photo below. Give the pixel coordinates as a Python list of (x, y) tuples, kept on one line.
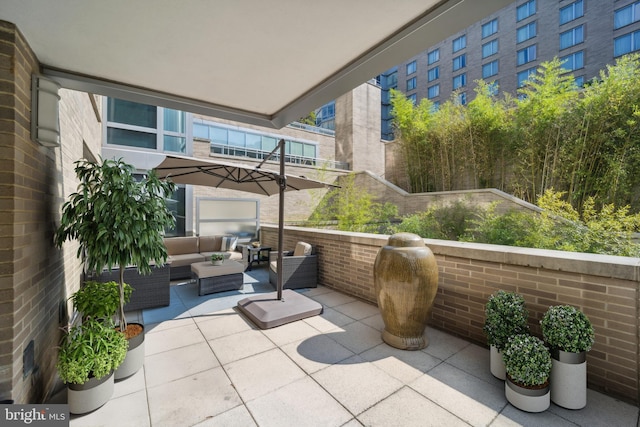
[(118, 221)]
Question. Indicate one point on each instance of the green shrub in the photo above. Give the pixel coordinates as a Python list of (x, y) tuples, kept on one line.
[(566, 328), (448, 222), (505, 316), (527, 360)]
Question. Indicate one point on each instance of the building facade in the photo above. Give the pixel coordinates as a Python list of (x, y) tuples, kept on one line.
[(506, 47)]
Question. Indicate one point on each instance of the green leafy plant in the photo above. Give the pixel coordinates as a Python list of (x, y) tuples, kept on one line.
[(217, 256), (505, 316), (527, 361), (99, 300), (566, 328), (92, 349), (117, 220)]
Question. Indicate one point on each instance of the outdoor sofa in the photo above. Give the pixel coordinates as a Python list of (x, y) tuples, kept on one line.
[(184, 251)]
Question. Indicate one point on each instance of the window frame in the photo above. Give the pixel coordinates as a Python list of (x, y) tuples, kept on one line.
[(574, 39), (495, 69), (459, 43), (528, 26), (573, 14), (493, 29), (494, 51), (528, 6)]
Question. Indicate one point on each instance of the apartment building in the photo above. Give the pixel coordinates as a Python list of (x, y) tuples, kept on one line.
[(507, 46)]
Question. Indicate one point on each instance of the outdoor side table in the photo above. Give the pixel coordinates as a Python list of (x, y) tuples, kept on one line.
[(257, 255)]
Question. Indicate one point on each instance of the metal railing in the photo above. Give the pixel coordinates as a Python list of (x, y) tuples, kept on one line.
[(230, 150)]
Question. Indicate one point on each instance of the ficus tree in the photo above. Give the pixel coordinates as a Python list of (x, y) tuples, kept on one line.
[(117, 220)]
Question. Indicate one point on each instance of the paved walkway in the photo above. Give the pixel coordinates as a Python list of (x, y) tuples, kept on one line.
[(206, 365)]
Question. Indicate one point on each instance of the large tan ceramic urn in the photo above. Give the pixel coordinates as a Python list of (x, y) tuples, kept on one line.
[(406, 281)]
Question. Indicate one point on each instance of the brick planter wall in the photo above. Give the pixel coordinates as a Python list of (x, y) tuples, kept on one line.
[(604, 287)]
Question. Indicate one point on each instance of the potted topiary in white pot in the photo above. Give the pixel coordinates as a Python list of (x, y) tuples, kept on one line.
[(569, 334), (528, 365), (505, 315)]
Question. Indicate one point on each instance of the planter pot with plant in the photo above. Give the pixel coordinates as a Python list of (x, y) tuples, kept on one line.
[(505, 316), (528, 364), (101, 300), (217, 258), (88, 355), (118, 221), (569, 334)]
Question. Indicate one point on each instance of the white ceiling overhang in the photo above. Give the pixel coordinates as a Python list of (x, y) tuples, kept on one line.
[(260, 62)]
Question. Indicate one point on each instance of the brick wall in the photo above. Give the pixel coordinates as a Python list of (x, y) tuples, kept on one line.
[(604, 287), (35, 277)]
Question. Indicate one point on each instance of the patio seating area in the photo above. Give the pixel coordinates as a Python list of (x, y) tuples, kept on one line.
[(207, 365)]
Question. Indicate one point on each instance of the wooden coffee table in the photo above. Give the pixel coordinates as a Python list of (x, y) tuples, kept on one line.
[(217, 278)]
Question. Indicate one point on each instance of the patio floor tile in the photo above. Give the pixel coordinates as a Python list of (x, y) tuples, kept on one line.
[(328, 320), (443, 345), (263, 373), (357, 337), (178, 363), (301, 403), (471, 399), (332, 298), (317, 352), (406, 366), (171, 338), (407, 408), (290, 332), (222, 323), (236, 417), (192, 399), (357, 384), (240, 345), (358, 310), (125, 411)]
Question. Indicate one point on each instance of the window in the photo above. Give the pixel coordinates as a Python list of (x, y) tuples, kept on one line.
[(574, 61), (132, 113), (459, 62), (435, 107), (490, 69), (459, 81), (579, 81), (526, 32), (572, 11), (433, 74), (433, 56), (627, 43), (490, 28), (626, 15), (489, 48), (523, 76), (411, 67), (391, 80), (132, 124), (411, 83), (527, 54), (462, 98), (572, 37), (459, 43), (525, 10), (433, 91), (413, 98)]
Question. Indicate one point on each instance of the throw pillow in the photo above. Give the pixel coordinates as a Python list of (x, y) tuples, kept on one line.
[(229, 243)]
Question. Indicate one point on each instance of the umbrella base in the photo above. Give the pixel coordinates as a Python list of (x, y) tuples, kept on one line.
[(266, 311)]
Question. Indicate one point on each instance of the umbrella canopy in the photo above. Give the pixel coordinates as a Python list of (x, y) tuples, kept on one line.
[(218, 174), (188, 170)]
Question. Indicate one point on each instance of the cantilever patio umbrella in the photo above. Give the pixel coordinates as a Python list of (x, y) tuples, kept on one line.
[(272, 310)]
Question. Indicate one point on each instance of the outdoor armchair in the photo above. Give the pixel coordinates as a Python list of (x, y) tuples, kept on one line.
[(299, 268)]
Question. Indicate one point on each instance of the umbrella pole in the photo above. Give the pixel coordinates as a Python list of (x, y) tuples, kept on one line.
[(282, 181)]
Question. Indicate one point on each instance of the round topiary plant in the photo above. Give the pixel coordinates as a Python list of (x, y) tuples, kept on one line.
[(505, 316), (527, 361), (566, 328)]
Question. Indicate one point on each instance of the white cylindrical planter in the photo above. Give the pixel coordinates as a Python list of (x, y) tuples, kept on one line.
[(87, 397), (497, 363), (569, 379), (527, 399), (134, 359)]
